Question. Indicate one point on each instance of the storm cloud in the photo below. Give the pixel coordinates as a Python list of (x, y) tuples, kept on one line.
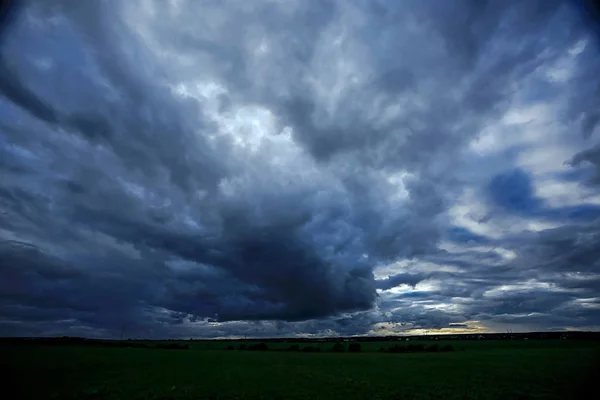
[(222, 168)]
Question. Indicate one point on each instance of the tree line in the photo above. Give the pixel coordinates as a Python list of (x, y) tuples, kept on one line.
[(336, 348)]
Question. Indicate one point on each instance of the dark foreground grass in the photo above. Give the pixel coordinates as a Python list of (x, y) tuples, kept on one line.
[(497, 372)]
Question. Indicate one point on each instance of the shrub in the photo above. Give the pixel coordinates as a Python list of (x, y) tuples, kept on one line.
[(338, 347), (433, 348), (174, 346), (294, 347), (398, 349), (262, 347), (242, 347), (416, 348), (447, 347), (137, 345), (311, 349), (259, 347), (354, 347), (230, 347)]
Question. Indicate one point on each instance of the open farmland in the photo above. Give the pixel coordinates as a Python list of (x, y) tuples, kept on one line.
[(492, 369)]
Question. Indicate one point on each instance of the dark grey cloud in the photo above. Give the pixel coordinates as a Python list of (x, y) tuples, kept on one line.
[(553, 282), (399, 279), (214, 169), (591, 156)]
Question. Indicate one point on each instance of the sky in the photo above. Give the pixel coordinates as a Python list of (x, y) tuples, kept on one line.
[(204, 168)]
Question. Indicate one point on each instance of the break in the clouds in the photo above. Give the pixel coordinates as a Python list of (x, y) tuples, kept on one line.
[(218, 168)]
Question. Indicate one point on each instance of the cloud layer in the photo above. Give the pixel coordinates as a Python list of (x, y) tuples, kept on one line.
[(217, 168)]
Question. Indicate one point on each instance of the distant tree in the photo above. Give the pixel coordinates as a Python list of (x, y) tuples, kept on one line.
[(136, 345), (294, 347), (311, 349), (259, 347), (447, 347), (398, 349), (230, 347), (415, 348), (173, 346), (262, 347), (242, 346), (338, 347), (433, 348), (354, 347)]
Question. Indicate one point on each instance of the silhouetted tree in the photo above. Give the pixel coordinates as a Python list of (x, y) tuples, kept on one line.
[(261, 347), (173, 346), (258, 347), (338, 347), (311, 349), (433, 348), (398, 349), (415, 348), (354, 347)]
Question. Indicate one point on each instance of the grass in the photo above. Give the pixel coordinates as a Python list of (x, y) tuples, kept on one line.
[(486, 370)]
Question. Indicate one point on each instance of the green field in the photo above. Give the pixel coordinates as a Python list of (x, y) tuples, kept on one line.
[(483, 370)]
